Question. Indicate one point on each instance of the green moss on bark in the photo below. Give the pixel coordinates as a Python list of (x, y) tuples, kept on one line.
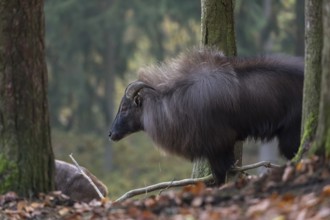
[(8, 174), (308, 135)]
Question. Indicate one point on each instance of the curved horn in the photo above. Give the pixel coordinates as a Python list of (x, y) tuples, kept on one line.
[(133, 88)]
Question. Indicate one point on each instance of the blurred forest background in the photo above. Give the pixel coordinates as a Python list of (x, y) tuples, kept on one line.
[(94, 49)]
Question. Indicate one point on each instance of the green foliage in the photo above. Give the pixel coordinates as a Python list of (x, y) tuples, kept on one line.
[(266, 26), (89, 40)]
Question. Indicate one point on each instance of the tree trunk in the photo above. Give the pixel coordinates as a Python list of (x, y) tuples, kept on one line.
[(218, 31), (322, 145), (313, 56), (218, 25), (26, 156)]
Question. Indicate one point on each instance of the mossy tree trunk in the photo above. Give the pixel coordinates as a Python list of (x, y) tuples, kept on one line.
[(218, 31), (313, 69), (322, 141), (26, 156)]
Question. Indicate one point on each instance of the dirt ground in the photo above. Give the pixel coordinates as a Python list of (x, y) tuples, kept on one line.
[(298, 192)]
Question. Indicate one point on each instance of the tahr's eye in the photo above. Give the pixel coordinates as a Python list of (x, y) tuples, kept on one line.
[(137, 100)]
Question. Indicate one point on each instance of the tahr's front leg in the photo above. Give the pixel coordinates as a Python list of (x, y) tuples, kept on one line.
[(220, 164)]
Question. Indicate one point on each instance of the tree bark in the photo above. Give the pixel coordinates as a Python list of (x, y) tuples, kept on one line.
[(322, 145), (26, 156), (312, 82), (218, 31), (218, 25)]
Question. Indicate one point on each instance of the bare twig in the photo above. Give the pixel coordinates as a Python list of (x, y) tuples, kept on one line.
[(162, 185), (87, 177), (254, 165), (184, 182)]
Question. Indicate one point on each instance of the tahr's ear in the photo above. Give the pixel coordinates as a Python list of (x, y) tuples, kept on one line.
[(138, 100)]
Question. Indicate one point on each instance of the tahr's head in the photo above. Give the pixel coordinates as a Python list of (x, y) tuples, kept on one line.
[(129, 117)]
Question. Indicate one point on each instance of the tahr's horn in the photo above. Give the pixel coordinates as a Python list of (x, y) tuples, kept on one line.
[(134, 87)]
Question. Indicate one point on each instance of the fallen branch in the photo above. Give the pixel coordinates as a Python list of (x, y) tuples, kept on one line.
[(254, 165), (87, 177), (163, 185), (185, 182)]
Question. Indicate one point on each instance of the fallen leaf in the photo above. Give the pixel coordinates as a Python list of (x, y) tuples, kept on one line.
[(105, 200), (286, 201), (29, 209), (63, 211), (288, 173), (82, 207), (325, 174), (133, 211), (302, 214), (196, 189), (184, 211), (280, 217), (323, 213), (310, 200), (197, 202), (259, 208), (37, 205), (214, 216), (150, 202), (301, 179), (95, 203), (145, 215), (300, 166), (20, 206), (326, 190)]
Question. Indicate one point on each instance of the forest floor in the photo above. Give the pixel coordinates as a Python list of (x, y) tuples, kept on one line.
[(298, 192)]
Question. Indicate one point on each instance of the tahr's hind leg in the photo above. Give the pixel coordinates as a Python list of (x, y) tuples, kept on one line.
[(289, 140)]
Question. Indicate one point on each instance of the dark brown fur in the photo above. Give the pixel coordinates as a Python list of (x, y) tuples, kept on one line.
[(203, 102)]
